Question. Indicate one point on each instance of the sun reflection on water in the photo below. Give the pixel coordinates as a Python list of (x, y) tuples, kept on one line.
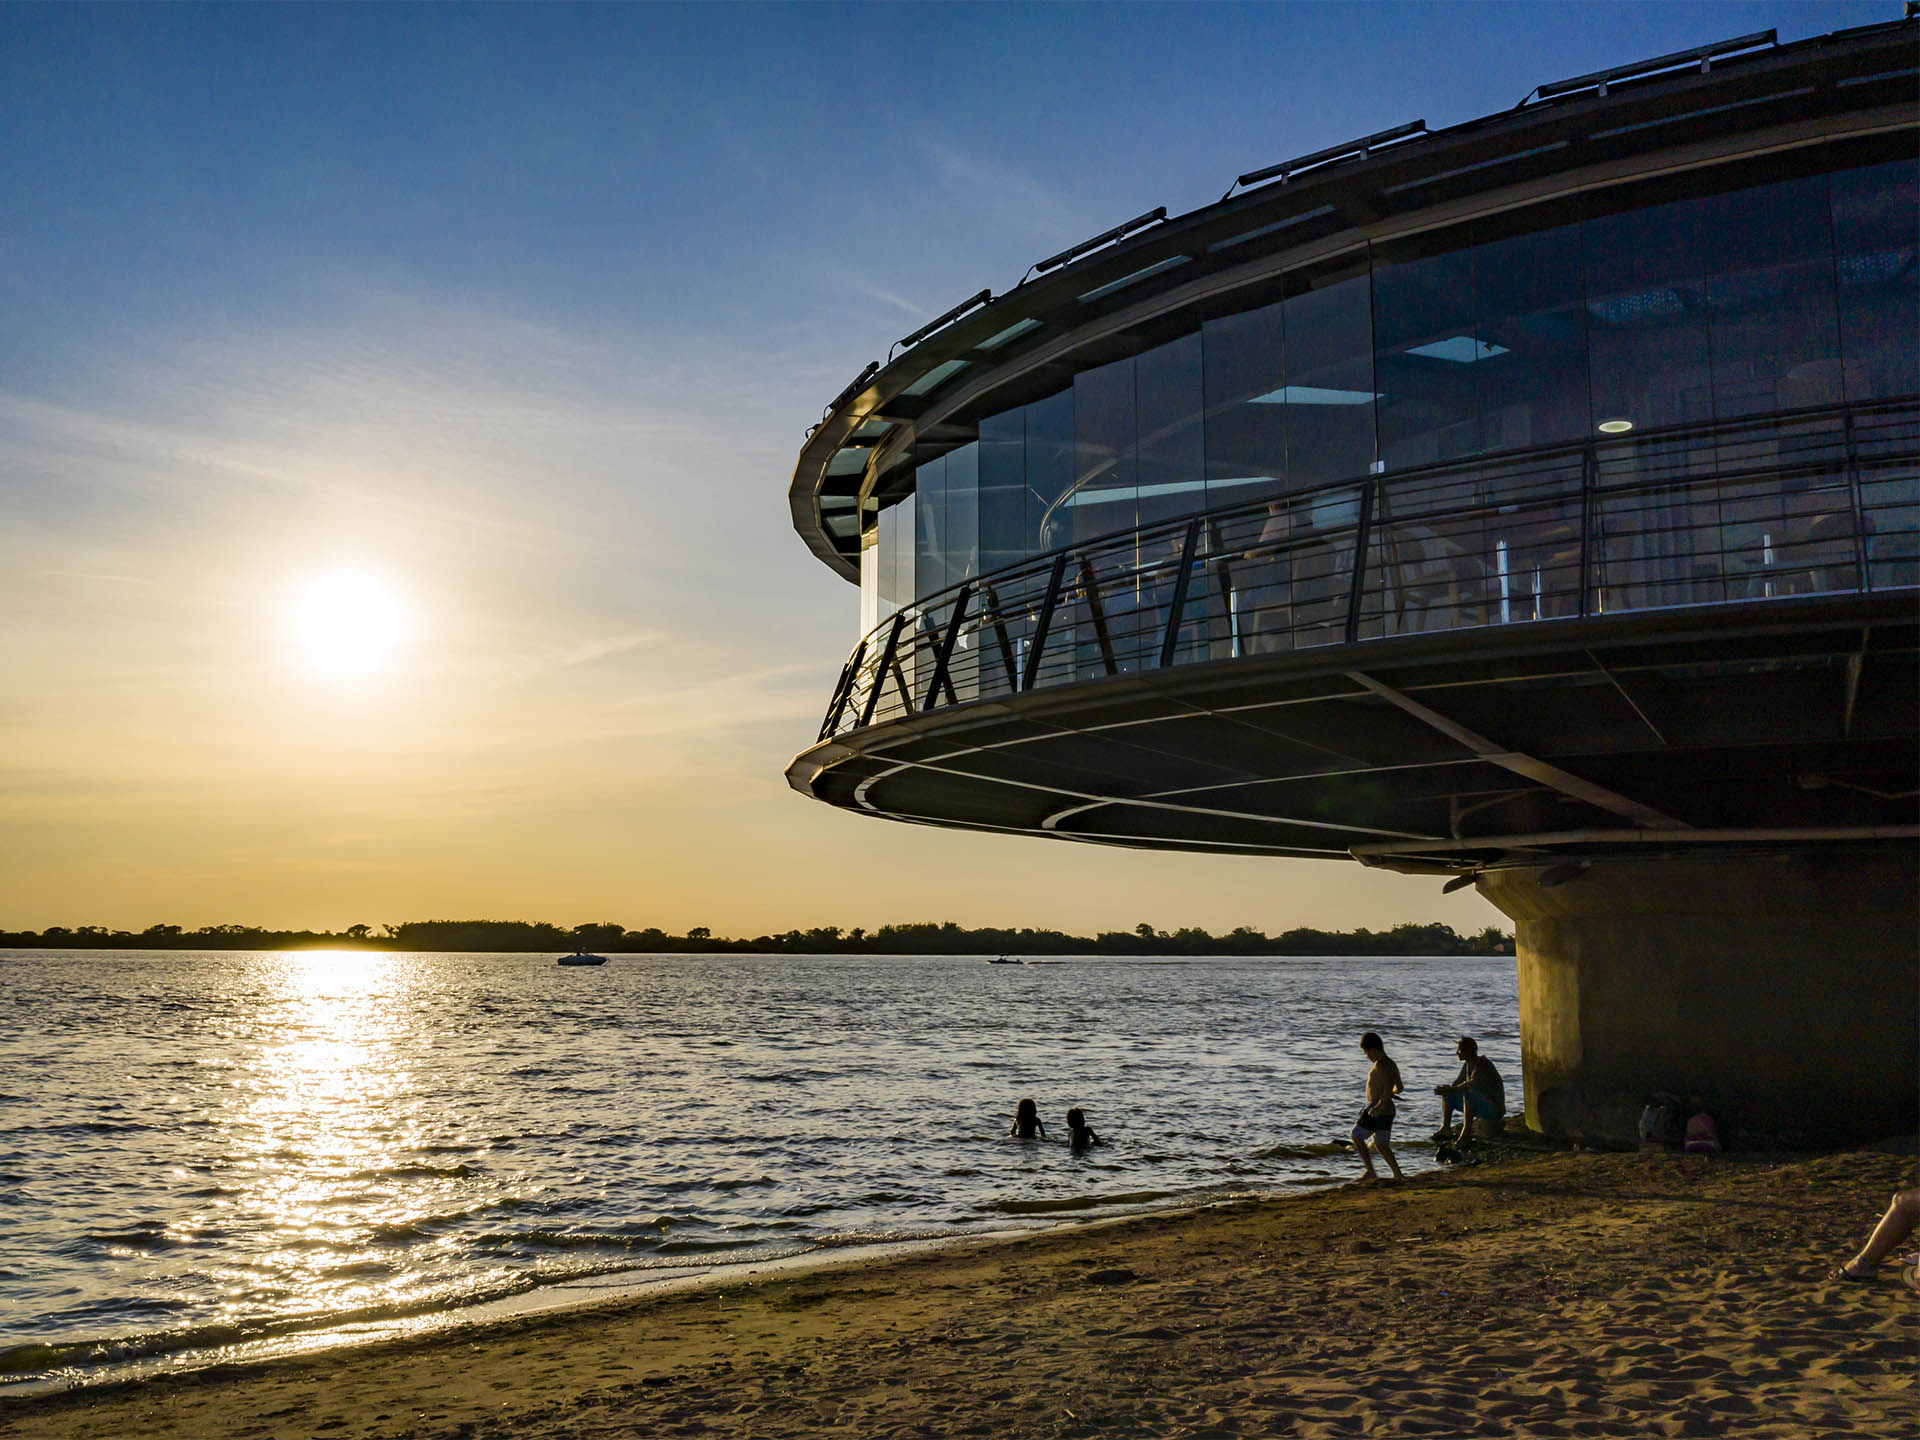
[(327, 1121)]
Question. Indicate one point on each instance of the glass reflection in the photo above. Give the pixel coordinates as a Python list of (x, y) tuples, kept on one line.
[(1610, 320), (1877, 273), (1246, 438), (1647, 316), (1172, 452), (1770, 306), (1106, 442), (1329, 395)]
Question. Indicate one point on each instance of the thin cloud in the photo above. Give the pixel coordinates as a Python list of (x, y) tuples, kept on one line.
[(1016, 199)]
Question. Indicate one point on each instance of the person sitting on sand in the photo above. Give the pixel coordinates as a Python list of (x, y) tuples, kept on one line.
[(1026, 1122), (1896, 1225), (1080, 1134), (1376, 1121), (1477, 1092)]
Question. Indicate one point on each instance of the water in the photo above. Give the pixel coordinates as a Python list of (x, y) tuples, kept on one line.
[(203, 1151)]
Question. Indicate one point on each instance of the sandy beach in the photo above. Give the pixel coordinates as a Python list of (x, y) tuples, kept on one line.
[(1558, 1294)]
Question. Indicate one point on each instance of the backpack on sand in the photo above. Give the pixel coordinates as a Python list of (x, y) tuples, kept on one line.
[(1703, 1135), (1660, 1122)]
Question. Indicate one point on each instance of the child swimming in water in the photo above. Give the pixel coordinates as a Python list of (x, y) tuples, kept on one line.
[(1026, 1121), (1080, 1134)]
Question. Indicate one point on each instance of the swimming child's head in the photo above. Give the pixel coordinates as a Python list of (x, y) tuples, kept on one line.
[(1076, 1119), (1027, 1110)]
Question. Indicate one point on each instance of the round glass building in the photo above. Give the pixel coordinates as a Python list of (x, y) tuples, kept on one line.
[(1535, 501)]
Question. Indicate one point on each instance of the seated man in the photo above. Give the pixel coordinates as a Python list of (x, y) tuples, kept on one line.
[(1477, 1092)]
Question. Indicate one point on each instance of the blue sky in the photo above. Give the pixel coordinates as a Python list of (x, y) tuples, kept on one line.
[(527, 309)]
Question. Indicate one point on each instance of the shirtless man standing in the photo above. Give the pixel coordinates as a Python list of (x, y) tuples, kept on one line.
[(1376, 1121)]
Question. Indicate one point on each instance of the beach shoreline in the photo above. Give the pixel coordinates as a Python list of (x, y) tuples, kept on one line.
[(572, 1295), (1568, 1293)]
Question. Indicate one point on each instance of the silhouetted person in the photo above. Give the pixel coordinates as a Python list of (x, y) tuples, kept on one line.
[(1376, 1121), (1080, 1134), (1477, 1093), (1026, 1121)]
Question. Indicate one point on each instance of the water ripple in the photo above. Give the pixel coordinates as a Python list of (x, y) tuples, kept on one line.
[(221, 1147)]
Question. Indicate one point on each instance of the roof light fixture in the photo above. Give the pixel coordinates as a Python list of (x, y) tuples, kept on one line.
[(1615, 427), (1074, 252), (932, 325), (1702, 56), (873, 368), (1352, 149)]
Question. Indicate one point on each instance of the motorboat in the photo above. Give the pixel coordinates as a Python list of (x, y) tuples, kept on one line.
[(581, 958), (1006, 960)]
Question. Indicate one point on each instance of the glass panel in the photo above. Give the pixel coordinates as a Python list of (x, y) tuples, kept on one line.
[(1890, 510), (1646, 317), (1282, 576), (1172, 462), (1049, 472), (1428, 346), (886, 552), (962, 539), (869, 578), (1245, 430), (1003, 490), (930, 527), (904, 545), (1877, 270), (1657, 525), (1105, 437), (963, 563), (1532, 374), (1328, 397), (1004, 624), (1770, 307)]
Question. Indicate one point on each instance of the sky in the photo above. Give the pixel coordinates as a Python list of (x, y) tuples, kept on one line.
[(519, 315)]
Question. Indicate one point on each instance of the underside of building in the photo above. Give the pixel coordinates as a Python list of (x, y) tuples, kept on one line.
[(1533, 503)]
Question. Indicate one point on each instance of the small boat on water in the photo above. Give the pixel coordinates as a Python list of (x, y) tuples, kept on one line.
[(1006, 960), (581, 958)]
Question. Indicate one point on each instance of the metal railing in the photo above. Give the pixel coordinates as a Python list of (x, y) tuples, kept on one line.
[(1802, 502)]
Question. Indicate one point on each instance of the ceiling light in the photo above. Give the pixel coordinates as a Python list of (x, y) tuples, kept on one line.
[(1615, 427), (1460, 349)]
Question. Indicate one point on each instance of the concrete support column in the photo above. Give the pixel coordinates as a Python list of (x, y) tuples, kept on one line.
[(1782, 990)]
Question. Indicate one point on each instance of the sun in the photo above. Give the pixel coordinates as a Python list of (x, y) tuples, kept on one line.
[(347, 625)]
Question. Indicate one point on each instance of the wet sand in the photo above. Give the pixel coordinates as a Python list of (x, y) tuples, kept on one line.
[(1562, 1294)]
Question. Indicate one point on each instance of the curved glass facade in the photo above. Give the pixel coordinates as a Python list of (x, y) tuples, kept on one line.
[(1696, 299)]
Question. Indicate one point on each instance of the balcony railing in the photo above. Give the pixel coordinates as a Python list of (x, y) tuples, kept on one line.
[(1804, 502)]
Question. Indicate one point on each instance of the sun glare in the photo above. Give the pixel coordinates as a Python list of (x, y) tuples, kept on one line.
[(347, 625)]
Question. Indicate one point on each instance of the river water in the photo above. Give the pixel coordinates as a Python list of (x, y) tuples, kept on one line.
[(201, 1153)]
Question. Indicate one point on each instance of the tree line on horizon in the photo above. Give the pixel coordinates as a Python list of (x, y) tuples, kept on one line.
[(918, 938)]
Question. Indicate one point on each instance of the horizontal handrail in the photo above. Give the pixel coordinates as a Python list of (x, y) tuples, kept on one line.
[(1821, 500)]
